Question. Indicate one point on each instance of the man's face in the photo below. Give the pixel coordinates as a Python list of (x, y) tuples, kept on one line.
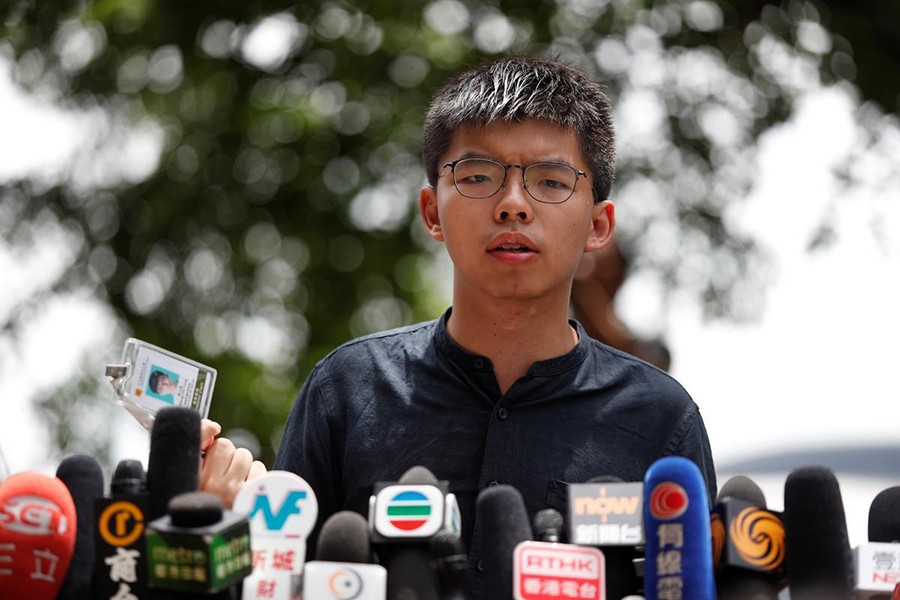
[(166, 385), (510, 245)]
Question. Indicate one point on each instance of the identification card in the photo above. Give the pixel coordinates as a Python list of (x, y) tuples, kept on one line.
[(151, 378)]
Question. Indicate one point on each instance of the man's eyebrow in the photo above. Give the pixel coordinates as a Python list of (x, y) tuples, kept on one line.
[(550, 159)]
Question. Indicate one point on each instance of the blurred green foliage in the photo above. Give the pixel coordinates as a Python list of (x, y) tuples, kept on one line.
[(272, 213)]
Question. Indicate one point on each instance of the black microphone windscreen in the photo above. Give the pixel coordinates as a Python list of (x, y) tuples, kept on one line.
[(410, 575), (605, 479), (129, 478), (195, 509), (446, 544), (819, 560), (451, 564), (743, 488), (418, 475), (503, 520), (344, 538), (548, 525), (174, 461), (83, 477), (884, 516)]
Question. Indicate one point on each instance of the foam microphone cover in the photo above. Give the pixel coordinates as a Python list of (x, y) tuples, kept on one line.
[(174, 461), (676, 521), (884, 516), (37, 536), (504, 524), (739, 584), (744, 488), (83, 477), (418, 475), (451, 564), (548, 525), (128, 478), (819, 560), (344, 538)]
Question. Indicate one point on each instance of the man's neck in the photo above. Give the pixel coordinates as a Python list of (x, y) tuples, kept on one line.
[(512, 334)]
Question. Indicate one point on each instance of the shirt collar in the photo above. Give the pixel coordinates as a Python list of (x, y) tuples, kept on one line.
[(475, 363)]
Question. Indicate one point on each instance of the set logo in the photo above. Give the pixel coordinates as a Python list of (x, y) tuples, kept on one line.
[(668, 501), (278, 504), (33, 515), (409, 511)]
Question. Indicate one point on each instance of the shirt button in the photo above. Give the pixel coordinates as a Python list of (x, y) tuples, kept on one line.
[(494, 483), (479, 363), (502, 413), (480, 566)]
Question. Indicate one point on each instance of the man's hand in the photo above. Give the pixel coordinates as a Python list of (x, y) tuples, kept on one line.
[(224, 469)]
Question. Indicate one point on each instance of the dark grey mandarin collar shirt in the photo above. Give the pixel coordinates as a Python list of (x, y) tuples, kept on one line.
[(381, 404)]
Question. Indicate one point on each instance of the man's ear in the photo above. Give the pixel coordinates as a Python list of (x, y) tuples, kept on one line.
[(603, 225), (428, 207)]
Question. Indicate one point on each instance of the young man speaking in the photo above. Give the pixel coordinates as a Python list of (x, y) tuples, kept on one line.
[(504, 387)]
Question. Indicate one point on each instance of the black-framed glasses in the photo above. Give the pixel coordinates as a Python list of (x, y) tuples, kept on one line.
[(548, 182)]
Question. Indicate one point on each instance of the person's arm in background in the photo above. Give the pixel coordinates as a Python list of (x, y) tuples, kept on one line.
[(597, 281)]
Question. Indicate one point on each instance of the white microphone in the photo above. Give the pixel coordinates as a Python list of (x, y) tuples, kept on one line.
[(876, 565), (341, 571), (282, 510)]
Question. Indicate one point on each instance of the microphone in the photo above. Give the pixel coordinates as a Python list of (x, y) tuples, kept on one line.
[(198, 547), (37, 536), (819, 560), (679, 543), (403, 518), (548, 525), (451, 564), (548, 568), (282, 509), (342, 568), (606, 512), (748, 543), (504, 524), (120, 566), (174, 460), (877, 563), (83, 477)]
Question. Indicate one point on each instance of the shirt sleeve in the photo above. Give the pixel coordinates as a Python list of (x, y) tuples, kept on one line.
[(309, 447)]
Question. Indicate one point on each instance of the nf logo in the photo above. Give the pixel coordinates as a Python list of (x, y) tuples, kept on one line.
[(278, 504), (409, 511), (275, 521), (668, 501)]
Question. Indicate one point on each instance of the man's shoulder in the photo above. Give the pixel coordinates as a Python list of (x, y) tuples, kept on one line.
[(641, 378), (383, 345)]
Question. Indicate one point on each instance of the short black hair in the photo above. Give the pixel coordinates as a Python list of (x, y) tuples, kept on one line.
[(153, 381), (515, 88)]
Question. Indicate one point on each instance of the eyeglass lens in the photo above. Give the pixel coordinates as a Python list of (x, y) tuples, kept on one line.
[(546, 182)]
